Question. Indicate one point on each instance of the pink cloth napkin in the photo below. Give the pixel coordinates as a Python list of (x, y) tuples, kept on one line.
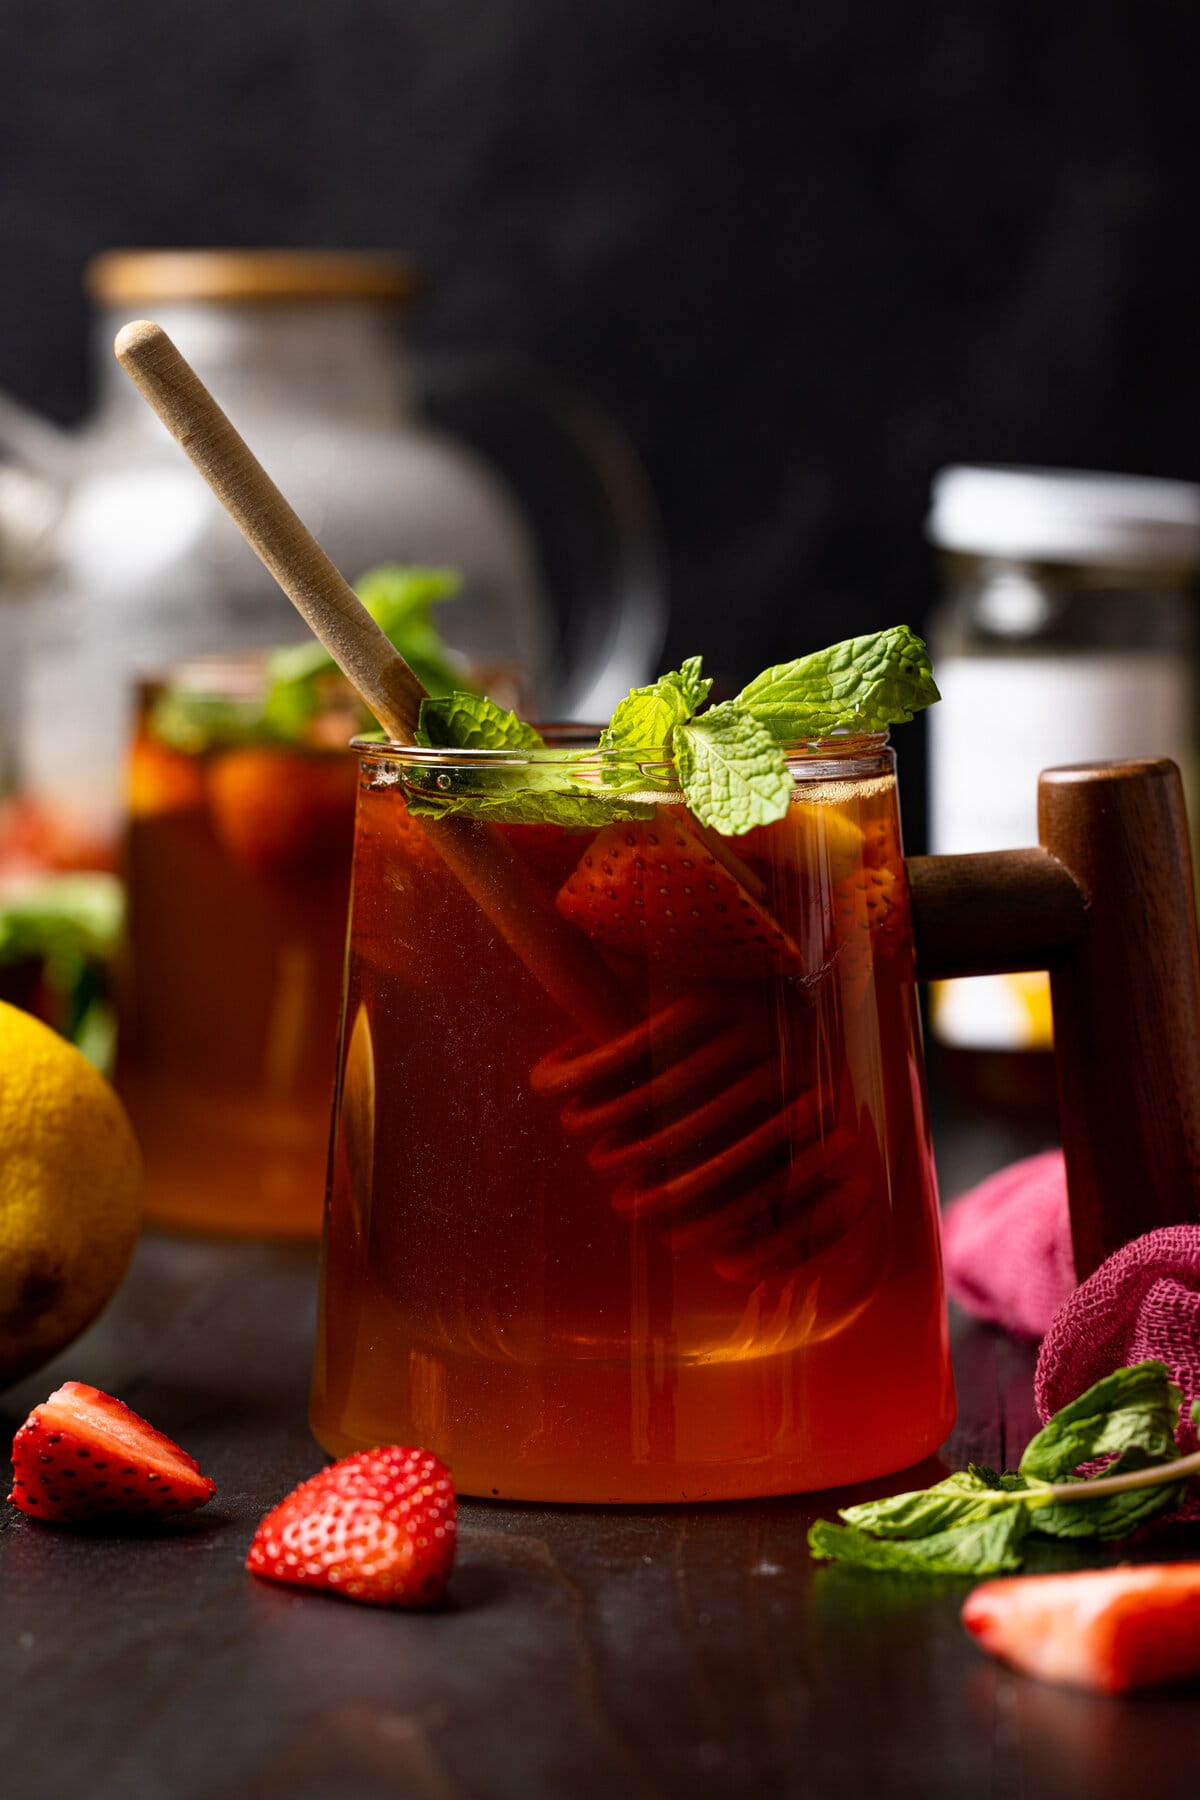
[(1007, 1246), (1143, 1302), (1008, 1261)]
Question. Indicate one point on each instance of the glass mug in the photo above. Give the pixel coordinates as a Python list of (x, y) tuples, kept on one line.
[(693, 1256), (237, 864)]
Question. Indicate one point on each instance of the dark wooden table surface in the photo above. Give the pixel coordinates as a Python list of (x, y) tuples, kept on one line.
[(676, 1652)]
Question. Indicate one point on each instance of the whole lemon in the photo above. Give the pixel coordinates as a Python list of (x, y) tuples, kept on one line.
[(70, 1193)]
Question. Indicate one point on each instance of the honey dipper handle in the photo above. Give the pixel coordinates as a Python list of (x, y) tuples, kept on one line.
[(552, 950), (274, 532), (1106, 904)]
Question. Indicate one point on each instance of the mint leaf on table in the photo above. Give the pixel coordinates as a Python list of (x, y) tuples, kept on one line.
[(647, 717), (461, 721), (733, 774), (989, 1545), (864, 683), (948, 1528), (960, 1499), (1131, 1414), (1132, 1409)]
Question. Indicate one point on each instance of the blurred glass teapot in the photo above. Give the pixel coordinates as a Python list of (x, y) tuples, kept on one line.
[(132, 566)]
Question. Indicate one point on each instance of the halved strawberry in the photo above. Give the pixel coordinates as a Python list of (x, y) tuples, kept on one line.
[(378, 1526), (1105, 1629), (159, 780), (81, 1456), (816, 840), (870, 919), (551, 851), (657, 891), (280, 810)]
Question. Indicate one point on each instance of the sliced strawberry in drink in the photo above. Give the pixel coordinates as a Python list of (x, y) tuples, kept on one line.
[(159, 780), (280, 810), (656, 890), (818, 841), (1105, 1629), (82, 1456), (870, 920), (551, 851)]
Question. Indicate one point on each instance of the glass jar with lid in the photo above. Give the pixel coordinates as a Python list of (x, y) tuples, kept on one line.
[(1067, 633)]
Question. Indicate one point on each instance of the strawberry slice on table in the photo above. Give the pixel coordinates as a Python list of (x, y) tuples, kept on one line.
[(1109, 1630), (378, 1526), (82, 1456), (656, 890)]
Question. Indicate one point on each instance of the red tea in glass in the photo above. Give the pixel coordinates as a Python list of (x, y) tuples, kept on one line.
[(238, 870), (697, 1259)]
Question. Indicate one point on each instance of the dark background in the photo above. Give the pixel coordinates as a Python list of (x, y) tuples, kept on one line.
[(806, 252)]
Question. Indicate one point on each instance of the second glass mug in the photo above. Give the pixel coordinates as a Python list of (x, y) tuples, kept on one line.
[(693, 1256)]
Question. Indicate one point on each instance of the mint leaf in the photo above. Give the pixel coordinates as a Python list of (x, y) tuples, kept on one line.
[(193, 722), (1132, 1409), (575, 809), (461, 721), (538, 793), (1110, 1516), (301, 677), (400, 600), (733, 774), (866, 682), (959, 1500), (1131, 1414), (646, 719), (983, 1546)]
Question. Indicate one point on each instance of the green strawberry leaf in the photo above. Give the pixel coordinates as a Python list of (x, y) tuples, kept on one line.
[(866, 683), (733, 774)]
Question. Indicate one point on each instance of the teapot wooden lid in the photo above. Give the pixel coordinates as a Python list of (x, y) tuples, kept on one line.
[(132, 277)]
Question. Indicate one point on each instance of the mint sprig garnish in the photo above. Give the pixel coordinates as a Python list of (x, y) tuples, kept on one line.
[(473, 722), (980, 1523), (730, 761), (864, 684), (535, 793), (303, 684), (648, 716), (732, 772), (401, 602)]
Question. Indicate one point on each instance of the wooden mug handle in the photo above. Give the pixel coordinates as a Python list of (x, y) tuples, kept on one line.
[(1107, 905)]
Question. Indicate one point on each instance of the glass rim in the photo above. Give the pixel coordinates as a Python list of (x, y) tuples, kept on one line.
[(573, 744)]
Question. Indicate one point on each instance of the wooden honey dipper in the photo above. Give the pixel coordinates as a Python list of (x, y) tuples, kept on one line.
[(766, 1155)]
